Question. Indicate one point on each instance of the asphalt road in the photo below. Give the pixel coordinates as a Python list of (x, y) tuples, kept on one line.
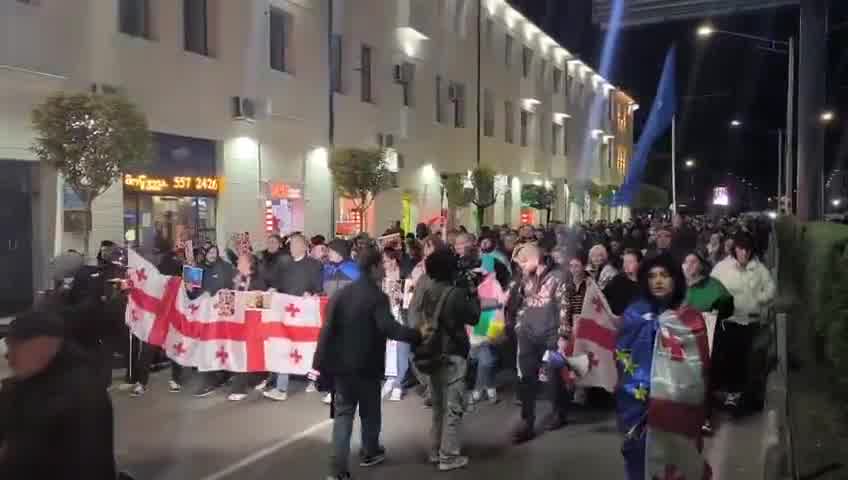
[(166, 436)]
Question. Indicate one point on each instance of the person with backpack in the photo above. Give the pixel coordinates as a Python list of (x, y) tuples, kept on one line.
[(351, 356), (443, 314)]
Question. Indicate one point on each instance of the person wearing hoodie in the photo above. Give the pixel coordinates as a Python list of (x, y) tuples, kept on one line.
[(753, 290), (218, 274), (340, 270)]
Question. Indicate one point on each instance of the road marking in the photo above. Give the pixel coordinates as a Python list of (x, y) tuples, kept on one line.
[(259, 455)]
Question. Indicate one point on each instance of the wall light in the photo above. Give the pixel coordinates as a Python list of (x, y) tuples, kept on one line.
[(245, 148)]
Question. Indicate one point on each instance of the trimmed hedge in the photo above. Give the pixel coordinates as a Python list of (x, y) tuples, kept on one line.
[(813, 271)]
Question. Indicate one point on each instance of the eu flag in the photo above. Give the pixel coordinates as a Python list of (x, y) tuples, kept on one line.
[(659, 120)]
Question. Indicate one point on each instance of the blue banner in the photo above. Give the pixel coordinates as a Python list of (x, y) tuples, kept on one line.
[(659, 120)]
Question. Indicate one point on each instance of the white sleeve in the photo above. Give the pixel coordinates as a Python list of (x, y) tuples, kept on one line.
[(767, 288)]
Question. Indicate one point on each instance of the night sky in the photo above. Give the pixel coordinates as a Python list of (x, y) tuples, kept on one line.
[(719, 79)]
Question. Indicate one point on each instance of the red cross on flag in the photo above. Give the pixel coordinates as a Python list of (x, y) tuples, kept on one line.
[(224, 331), (594, 334)]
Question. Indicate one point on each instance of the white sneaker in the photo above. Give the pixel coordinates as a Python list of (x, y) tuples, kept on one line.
[(311, 388), (174, 387), (387, 388), (327, 399), (446, 465), (138, 390), (275, 394), (126, 387), (397, 395), (262, 385), (236, 397), (476, 396), (492, 394)]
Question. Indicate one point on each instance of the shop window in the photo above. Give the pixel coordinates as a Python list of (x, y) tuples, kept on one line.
[(160, 222)]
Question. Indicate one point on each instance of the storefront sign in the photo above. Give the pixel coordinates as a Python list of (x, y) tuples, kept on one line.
[(172, 185), (280, 190)]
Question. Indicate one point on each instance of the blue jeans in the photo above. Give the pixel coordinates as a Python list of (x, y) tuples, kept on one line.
[(633, 451), (485, 356), (352, 392), (282, 382), (402, 364)]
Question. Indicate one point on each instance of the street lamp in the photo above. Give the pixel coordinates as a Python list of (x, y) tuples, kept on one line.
[(836, 202), (705, 30), (735, 123), (827, 116), (690, 163)]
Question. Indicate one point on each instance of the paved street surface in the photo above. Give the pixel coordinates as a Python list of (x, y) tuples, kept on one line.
[(165, 436)]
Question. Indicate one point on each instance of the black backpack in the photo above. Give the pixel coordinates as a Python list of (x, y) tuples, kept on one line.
[(428, 354)]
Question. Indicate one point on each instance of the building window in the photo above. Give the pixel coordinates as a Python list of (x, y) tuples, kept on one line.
[(565, 136), (556, 136), (525, 121), (509, 122), (408, 82), (526, 61), (508, 51), (543, 70), (195, 26), (557, 80), (488, 113), (458, 99), (134, 17), (440, 114), (365, 74), (336, 50), (281, 39), (569, 81), (621, 161), (490, 32)]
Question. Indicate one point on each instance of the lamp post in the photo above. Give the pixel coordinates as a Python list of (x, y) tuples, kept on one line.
[(786, 153), (690, 166)]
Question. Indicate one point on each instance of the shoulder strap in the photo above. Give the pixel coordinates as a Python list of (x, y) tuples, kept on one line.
[(440, 305)]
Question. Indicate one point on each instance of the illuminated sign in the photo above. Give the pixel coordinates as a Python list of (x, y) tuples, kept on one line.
[(280, 190), (721, 197), (145, 183)]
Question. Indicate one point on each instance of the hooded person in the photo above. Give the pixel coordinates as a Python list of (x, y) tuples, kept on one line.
[(340, 270), (662, 359)]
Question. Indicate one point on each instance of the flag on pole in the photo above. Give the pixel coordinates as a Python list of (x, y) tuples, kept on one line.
[(232, 331), (594, 334), (659, 120)]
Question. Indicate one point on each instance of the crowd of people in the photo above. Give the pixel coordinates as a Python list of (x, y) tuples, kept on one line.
[(421, 289)]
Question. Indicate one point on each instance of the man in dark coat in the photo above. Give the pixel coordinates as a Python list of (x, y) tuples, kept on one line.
[(352, 351), (56, 417)]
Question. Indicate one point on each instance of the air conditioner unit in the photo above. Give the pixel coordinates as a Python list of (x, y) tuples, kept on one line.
[(386, 140), (453, 93), (243, 108), (104, 89)]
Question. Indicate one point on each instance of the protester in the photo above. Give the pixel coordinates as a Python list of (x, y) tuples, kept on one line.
[(352, 351), (340, 270), (575, 293), (663, 244), (56, 419), (247, 279), (660, 310), (540, 320), (712, 251), (392, 286), (623, 289), (449, 309), (753, 290), (217, 275), (707, 295), (599, 266)]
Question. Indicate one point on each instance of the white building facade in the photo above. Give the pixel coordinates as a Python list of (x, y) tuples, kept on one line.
[(238, 97)]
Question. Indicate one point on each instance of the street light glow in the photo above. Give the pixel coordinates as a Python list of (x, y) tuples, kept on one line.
[(690, 163), (836, 202), (705, 30), (827, 116), (735, 123)]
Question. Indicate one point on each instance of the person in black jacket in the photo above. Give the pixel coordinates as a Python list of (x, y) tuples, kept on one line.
[(248, 279), (352, 352), (56, 418), (217, 273), (623, 289)]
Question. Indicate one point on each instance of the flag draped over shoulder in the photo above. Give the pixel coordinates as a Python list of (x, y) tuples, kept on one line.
[(492, 298), (232, 331), (663, 363), (659, 120), (594, 334)]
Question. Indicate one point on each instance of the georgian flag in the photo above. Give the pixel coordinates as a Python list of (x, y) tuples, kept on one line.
[(225, 331), (594, 334)]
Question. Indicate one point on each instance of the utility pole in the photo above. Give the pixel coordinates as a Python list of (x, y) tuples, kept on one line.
[(479, 72)]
